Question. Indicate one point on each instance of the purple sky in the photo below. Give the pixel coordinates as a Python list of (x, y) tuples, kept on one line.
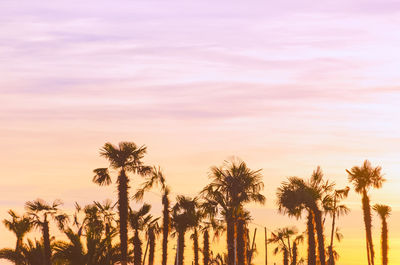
[(285, 86)]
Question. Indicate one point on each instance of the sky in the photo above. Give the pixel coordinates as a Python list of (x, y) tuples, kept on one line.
[(285, 86)]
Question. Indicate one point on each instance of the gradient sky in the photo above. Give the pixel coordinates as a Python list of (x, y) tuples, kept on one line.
[(285, 86)]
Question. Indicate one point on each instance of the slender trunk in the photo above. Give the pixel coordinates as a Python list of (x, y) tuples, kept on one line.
[(320, 235), (206, 248), (145, 251), (312, 258), (241, 242), (123, 215), (290, 250), (165, 202), (266, 245), (285, 257), (294, 254), (46, 242), (152, 240), (109, 245), (384, 239), (230, 236), (331, 259), (137, 249), (196, 247), (181, 245), (368, 225)]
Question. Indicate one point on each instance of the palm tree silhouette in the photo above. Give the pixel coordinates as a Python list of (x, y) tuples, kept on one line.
[(335, 210), (282, 238), (156, 177), (126, 157), (364, 178), (183, 218), (30, 254), (19, 225), (139, 221), (296, 195), (384, 212), (40, 212), (232, 185)]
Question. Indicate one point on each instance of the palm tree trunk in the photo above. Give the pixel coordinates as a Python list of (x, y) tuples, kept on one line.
[(196, 247), (165, 202), (152, 240), (230, 236), (181, 245), (320, 235), (241, 242), (206, 248), (294, 254), (368, 226), (384, 239), (312, 258), (123, 215), (46, 242), (331, 259), (137, 249), (285, 257)]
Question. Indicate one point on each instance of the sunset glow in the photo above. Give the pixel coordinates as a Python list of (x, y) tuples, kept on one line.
[(285, 87)]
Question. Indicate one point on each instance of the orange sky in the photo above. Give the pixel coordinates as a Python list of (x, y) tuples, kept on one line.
[(285, 87)]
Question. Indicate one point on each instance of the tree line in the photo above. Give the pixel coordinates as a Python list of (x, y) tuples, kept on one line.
[(106, 233)]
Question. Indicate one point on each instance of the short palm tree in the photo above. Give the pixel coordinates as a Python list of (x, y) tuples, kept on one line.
[(40, 212), (156, 177), (126, 157), (335, 209), (383, 212), (31, 253), (19, 225), (295, 196), (232, 186), (138, 220), (183, 218), (364, 178)]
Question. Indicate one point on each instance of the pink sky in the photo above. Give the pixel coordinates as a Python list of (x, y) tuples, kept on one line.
[(286, 87)]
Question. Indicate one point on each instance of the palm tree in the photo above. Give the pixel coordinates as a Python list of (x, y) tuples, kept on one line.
[(138, 221), (20, 226), (40, 212), (364, 178), (336, 210), (153, 230), (126, 157), (106, 214), (297, 195), (29, 254), (281, 237), (183, 218), (384, 212), (233, 185), (156, 177)]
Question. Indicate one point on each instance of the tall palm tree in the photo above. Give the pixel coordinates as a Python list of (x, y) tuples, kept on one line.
[(233, 185), (335, 210), (156, 177), (20, 226), (183, 218), (40, 212), (384, 212), (364, 178), (126, 157)]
